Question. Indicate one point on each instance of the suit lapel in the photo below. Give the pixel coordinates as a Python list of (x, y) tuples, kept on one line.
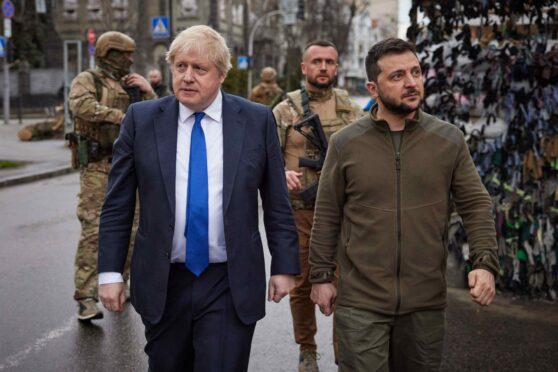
[(234, 125), (166, 126)]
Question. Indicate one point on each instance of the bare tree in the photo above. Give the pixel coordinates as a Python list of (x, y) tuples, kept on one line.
[(331, 20)]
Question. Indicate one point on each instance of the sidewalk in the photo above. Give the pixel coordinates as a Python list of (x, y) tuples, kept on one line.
[(43, 159)]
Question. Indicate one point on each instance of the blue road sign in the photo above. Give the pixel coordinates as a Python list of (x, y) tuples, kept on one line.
[(242, 62), (2, 47), (8, 8), (91, 49), (160, 27)]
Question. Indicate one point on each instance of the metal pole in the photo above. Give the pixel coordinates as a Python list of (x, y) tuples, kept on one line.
[(6, 86), (67, 122), (68, 125), (251, 43)]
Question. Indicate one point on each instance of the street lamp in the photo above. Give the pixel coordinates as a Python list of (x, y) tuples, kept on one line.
[(251, 42)]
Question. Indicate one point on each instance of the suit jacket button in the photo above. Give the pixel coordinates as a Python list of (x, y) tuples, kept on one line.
[(167, 254), (171, 227)]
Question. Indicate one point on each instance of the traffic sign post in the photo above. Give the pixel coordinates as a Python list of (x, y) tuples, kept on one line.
[(160, 27), (8, 10), (242, 62), (4, 47), (91, 38), (7, 27)]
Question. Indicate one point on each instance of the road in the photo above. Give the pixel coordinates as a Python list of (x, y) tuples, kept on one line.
[(39, 331)]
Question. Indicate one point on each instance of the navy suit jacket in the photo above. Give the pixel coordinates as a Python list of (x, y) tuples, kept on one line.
[(144, 160)]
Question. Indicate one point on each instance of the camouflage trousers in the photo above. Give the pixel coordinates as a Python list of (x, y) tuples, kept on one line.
[(93, 184)]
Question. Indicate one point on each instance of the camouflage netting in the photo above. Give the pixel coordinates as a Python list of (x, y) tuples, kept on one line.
[(491, 68)]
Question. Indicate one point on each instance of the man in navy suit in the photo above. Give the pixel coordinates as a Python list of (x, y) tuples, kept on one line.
[(197, 161)]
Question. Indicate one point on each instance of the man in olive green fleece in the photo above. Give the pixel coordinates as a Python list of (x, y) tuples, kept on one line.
[(382, 214)]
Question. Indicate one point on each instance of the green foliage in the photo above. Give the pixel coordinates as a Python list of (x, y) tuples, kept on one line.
[(236, 81), (4, 164)]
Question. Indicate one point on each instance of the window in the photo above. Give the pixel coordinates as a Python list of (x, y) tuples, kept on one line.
[(70, 9), (120, 9), (94, 10)]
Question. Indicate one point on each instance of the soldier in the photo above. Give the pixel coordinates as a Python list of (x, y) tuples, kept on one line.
[(267, 92), (98, 101), (335, 110), (156, 80)]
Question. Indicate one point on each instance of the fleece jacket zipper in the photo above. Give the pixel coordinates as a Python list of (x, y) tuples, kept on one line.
[(397, 151)]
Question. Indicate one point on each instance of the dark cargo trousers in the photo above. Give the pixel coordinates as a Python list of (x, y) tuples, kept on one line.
[(370, 341)]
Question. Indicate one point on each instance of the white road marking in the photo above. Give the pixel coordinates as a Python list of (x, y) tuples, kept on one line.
[(39, 344)]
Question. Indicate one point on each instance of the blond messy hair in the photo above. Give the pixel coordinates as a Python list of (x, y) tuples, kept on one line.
[(204, 41)]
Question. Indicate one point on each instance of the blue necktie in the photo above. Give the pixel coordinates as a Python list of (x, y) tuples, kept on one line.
[(197, 236)]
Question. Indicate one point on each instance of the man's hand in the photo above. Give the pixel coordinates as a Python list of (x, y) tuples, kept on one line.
[(293, 180), (324, 295), (112, 296), (279, 287), (482, 288), (139, 81)]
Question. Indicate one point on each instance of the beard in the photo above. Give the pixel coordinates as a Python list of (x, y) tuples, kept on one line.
[(400, 109), (326, 85)]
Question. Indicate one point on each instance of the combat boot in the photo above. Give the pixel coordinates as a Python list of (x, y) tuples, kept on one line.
[(88, 310), (307, 362)]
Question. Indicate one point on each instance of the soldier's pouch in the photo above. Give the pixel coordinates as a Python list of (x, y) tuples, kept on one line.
[(73, 145), (82, 151), (108, 133), (75, 160)]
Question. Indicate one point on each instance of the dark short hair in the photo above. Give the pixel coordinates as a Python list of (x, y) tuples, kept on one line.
[(380, 49), (321, 43)]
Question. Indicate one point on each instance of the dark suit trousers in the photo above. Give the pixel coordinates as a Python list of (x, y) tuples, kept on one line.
[(199, 330)]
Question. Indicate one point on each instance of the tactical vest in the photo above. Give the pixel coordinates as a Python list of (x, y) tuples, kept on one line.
[(108, 93), (343, 108), (344, 115)]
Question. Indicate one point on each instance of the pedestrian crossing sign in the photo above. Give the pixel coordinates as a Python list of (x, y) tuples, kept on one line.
[(2, 47), (160, 27)]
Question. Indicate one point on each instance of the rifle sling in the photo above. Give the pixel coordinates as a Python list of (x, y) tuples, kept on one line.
[(305, 100)]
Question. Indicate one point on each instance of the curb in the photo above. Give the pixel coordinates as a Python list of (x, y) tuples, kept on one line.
[(18, 180)]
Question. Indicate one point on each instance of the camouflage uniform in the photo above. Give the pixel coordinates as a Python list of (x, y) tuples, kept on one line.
[(335, 110), (98, 102), (267, 92)]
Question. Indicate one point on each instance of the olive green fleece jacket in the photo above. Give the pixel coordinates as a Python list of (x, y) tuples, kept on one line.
[(382, 216)]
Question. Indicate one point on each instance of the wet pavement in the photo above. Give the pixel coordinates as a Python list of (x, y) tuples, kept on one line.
[(39, 331)]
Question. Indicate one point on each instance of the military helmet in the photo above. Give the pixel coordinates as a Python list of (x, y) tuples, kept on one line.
[(113, 40), (268, 74)]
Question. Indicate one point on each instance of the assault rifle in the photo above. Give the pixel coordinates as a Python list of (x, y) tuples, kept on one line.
[(316, 136)]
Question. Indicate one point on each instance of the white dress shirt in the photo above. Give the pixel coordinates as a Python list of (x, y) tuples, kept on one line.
[(212, 126)]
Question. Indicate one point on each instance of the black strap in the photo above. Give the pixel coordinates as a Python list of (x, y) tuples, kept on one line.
[(305, 100)]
